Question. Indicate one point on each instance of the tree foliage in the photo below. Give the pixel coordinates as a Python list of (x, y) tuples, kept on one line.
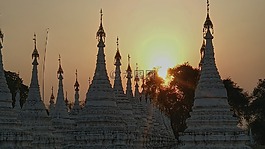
[(176, 99), (14, 83), (257, 110), (238, 99)]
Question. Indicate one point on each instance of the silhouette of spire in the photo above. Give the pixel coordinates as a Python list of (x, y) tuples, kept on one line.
[(101, 35), (34, 106), (52, 97), (76, 107), (118, 55), (136, 79), (61, 110), (76, 82), (208, 23), (117, 87), (60, 69), (210, 83), (129, 77), (35, 53)]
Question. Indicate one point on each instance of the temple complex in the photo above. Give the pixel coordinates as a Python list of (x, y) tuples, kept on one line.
[(112, 118), (211, 124)]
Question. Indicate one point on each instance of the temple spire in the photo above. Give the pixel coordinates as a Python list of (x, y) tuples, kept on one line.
[(61, 110), (210, 79), (129, 77), (117, 87), (76, 108), (52, 97), (117, 55), (101, 35), (137, 79), (208, 25), (76, 82), (211, 124)]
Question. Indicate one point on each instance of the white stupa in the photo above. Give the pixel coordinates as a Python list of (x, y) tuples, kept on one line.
[(211, 125), (34, 115), (100, 123), (11, 134), (123, 103), (76, 108)]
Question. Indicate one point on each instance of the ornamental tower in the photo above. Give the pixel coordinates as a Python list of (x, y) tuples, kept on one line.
[(10, 128), (101, 118), (136, 79), (34, 116), (129, 93), (211, 124), (76, 108), (60, 110)]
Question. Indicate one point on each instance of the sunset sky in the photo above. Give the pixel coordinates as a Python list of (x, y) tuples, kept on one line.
[(155, 33)]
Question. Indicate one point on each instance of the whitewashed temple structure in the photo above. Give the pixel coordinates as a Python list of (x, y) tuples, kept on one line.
[(113, 118), (110, 119), (211, 125)]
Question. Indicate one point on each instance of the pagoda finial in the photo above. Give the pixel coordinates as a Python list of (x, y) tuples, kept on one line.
[(101, 33), (137, 79), (117, 43), (52, 96), (35, 53), (60, 69), (208, 6), (129, 66), (208, 25), (76, 82), (101, 15), (118, 55), (129, 58)]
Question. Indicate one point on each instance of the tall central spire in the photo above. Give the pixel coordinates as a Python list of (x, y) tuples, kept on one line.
[(101, 35), (211, 124), (101, 110), (210, 79)]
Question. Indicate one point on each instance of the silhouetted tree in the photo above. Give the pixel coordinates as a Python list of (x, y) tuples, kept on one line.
[(153, 84), (238, 99), (14, 83), (177, 98), (183, 83), (257, 109)]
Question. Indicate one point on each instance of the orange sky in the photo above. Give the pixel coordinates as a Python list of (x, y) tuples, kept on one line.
[(154, 32)]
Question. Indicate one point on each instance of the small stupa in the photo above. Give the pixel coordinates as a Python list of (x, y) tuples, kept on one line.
[(123, 102), (76, 108), (34, 115)]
